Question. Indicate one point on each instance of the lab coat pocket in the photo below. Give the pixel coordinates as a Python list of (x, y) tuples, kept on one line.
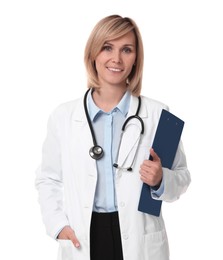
[(156, 246), (67, 250)]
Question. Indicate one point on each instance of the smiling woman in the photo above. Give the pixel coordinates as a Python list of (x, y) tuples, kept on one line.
[(129, 46), (91, 206), (114, 65)]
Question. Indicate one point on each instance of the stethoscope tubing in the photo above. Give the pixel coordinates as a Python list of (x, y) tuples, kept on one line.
[(96, 152), (88, 118)]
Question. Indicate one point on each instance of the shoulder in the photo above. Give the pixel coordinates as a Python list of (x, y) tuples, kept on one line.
[(153, 104), (68, 106), (66, 109)]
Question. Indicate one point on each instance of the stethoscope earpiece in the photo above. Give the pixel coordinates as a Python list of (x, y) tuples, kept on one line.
[(96, 152)]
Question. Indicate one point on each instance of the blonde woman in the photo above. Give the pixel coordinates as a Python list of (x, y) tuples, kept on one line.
[(95, 157)]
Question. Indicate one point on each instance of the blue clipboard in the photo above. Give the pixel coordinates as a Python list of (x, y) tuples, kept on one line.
[(165, 144)]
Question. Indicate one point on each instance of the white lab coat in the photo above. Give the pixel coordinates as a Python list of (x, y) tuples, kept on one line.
[(67, 177)]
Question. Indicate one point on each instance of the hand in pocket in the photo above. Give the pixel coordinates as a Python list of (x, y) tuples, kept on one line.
[(67, 233)]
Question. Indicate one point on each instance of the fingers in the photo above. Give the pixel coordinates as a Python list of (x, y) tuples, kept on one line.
[(154, 155), (74, 240), (151, 171), (150, 176), (68, 233)]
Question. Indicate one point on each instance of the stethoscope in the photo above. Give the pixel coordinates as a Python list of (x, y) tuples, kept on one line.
[(96, 151)]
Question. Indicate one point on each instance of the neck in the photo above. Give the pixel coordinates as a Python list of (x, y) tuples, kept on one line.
[(107, 99)]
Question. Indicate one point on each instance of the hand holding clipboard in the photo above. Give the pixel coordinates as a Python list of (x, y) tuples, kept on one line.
[(165, 144)]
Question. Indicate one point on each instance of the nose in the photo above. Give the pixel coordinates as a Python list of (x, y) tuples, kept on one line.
[(116, 58)]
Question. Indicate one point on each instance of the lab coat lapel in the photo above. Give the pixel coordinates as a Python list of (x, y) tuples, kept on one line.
[(81, 138), (131, 135)]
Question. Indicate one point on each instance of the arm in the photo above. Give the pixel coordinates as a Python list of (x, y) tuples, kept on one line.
[(173, 182), (177, 179), (49, 182)]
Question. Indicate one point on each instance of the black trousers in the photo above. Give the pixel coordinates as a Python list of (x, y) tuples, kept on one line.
[(105, 238)]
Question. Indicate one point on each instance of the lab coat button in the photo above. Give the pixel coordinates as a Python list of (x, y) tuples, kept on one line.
[(125, 236), (122, 204)]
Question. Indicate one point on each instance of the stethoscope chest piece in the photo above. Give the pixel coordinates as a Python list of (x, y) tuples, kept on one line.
[(96, 152)]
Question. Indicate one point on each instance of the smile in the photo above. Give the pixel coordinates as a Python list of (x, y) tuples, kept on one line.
[(114, 69)]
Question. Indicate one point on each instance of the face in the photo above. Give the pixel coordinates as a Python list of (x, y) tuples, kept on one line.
[(115, 61)]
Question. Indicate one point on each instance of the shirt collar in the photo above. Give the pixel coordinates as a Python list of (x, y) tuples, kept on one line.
[(95, 111)]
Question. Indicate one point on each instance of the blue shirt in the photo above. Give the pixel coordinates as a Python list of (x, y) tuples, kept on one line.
[(107, 128)]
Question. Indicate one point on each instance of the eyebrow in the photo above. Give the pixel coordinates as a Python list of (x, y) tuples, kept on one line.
[(125, 45)]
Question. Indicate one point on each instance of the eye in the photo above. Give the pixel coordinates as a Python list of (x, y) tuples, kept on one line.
[(127, 50), (106, 48)]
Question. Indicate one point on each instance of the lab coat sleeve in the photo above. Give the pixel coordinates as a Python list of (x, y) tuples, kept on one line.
[(157, 193), (49, 182), (177, 179)]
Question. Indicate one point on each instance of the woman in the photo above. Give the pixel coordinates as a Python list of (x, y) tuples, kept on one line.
[(89, 199)]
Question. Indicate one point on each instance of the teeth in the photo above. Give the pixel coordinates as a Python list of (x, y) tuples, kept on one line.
[(114, 69)]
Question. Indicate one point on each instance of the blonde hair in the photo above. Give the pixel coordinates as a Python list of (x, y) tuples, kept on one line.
[(110, 28)]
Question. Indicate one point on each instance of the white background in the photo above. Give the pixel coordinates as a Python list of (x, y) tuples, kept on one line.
[(41, 66)]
